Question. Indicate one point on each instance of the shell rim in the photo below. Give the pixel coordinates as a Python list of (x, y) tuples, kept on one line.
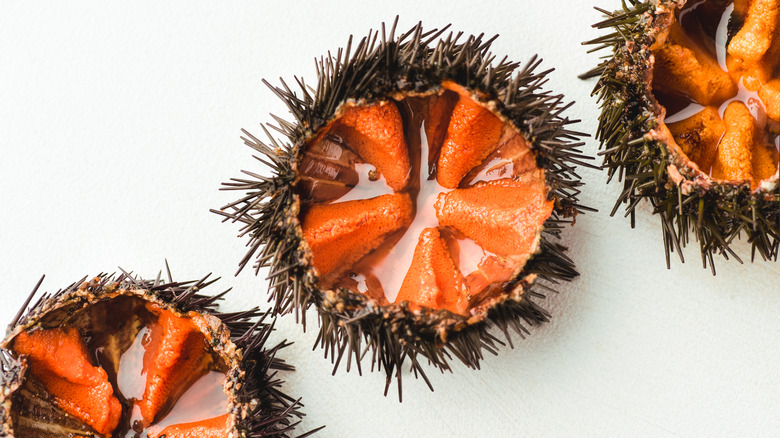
[(514, 289)]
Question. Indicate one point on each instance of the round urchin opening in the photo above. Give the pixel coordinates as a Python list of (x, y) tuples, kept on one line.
[(122, 366), (428, 198), (717, 78)]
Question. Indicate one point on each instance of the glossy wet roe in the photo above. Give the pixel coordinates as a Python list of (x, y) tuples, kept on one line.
[(432, 200), (717, 73), (148, 373)]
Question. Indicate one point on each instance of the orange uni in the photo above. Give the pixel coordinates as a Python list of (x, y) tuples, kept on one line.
[(58, 357), (754, 39), (217, 427), (503, 216), (472, 135), (734, 160), (698, 136), (433, 280), (174, 359), (376, 134), (340, 234), (681, 66), (755, 49)]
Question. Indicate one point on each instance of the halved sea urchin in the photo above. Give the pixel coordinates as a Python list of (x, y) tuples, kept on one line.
[(690, 118), (416, 201), (125, 357)]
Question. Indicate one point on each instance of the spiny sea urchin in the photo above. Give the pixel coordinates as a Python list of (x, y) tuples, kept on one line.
[(690, 119), (417, 171), (130, 357)]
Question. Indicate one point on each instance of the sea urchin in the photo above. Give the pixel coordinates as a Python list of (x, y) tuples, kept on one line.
[(415, 202), (690, 119), (134, 358)]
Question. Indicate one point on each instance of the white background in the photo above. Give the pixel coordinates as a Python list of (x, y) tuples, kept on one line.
[(118, 123)]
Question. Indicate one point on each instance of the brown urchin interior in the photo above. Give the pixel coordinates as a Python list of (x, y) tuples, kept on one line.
[(717, 73), (123, 367), (430, 199)]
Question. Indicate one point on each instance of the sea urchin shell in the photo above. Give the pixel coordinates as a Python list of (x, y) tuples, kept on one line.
[(690, 119), (128, 357), (415, 202)]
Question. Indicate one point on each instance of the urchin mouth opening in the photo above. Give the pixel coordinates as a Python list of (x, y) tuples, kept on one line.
[(719, 91), (465, 199)]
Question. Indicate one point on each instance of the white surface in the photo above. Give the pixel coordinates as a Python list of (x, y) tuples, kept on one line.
[(117, 125)]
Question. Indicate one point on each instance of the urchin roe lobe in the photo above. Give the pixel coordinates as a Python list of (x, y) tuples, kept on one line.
[(429, 199), (717, 74), (122, 367)]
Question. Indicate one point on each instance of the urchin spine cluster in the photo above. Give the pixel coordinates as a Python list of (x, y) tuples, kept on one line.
[(271, 412), (716, 216), (379, 67)]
